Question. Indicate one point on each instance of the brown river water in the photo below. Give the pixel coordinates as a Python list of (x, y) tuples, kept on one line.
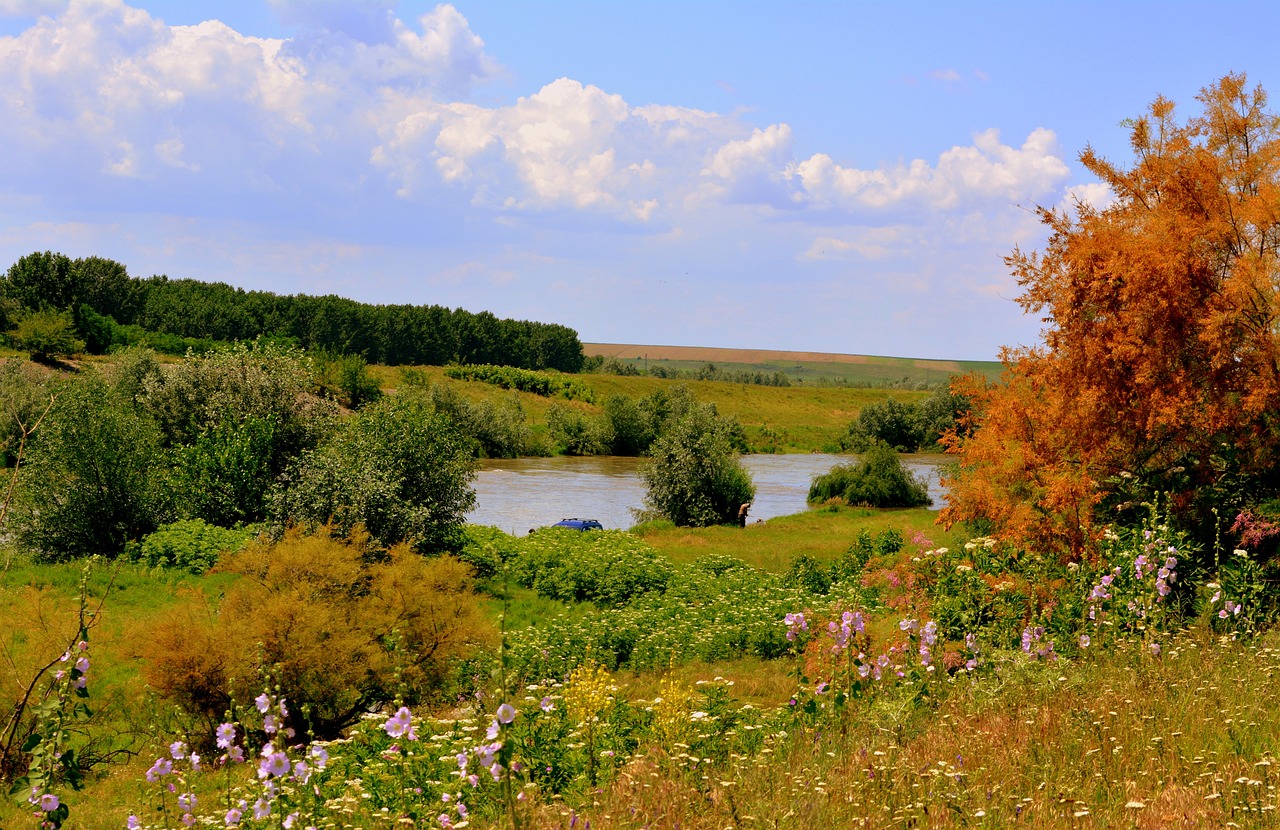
[(516, 495)]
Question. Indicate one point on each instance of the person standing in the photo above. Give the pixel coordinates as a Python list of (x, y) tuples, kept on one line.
[(742, 514)]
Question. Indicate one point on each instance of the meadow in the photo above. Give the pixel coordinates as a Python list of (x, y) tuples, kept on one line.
[(842, 667)]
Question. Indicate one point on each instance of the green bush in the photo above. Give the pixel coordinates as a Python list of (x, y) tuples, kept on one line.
[(94, 478), (694, 476), (396, 469), (607, 567), (190, 544), (47, 335), (544, 384), (878, 480), (485, 548)]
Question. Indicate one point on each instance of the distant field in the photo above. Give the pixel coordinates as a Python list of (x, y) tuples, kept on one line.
[(801, 366)]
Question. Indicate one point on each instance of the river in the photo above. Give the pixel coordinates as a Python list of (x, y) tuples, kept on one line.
[(518, 494)]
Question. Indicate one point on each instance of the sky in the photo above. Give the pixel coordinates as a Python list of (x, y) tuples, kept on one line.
[(820, 176)]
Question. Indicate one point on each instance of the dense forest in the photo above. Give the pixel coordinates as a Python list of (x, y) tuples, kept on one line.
[(108, 307)]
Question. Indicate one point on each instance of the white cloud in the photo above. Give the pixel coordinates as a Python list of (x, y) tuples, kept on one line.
[(1097, 195), (985, 171), (31, 8)]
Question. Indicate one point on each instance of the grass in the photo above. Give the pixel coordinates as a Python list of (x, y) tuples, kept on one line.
[(807, 367), (792, 419), (822, 534), (1111, 738)]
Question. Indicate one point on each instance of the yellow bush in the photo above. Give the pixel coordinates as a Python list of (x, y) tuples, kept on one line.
[(339, 634)]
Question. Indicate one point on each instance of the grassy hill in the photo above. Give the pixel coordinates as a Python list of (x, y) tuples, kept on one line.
[(807, 367)]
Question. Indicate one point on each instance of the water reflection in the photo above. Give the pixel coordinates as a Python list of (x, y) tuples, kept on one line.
[(523, 493)]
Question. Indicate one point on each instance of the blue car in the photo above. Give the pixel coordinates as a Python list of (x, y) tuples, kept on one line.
[(579, 524)]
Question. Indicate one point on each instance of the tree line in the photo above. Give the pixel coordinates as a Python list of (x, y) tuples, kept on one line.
[(105, 306)]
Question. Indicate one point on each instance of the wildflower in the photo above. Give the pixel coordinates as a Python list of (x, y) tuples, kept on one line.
[(82, 665), (400, 725), (132, 823), (462, 760), (1155, 649), (546, 705), (162, 766), (289, 820), (506, 713), (233, 817), (274, 765), (492, 731), (235, 755), (261, 808), (269, 725), (49, 802), (319, 757), (178, 750), (1084, 641), (195, 762), (263, 702), (187, 802), (225, 734)]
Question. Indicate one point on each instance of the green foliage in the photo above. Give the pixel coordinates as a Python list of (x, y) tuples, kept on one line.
[(523, 380), (853, 560), (485, 548), (807, 573), (572, 432), (694, 476), (345, 379), (46, 334), (609, 567), (498, 427), (395, 468), (906, 426), (224, 475), (24, 394), (626, 427), (93, 479), (877, 480), (716, 611), (189, 544)]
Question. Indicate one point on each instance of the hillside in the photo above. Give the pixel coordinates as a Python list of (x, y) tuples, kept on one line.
[(858, 370)]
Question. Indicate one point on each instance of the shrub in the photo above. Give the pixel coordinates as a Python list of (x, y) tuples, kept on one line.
[(396, 469), (608, 567), (890, 422), (341, 636), (47, 335), (878, 480), (189, 544), (93, 478), (572, 432), (486, 548), (694, 477)]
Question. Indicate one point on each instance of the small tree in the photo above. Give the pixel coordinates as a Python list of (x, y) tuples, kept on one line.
[(93, 476), (395, 468), (47, 335), (694, 476), (877, 480)]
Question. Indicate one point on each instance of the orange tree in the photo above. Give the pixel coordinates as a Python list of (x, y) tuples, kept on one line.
[(1159, 368)]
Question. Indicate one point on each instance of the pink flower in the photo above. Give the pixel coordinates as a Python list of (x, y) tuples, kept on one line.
[(49, 802)]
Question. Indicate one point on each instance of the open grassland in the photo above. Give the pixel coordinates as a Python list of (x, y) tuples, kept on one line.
[(808, 367), (792, 419), (822, 534)]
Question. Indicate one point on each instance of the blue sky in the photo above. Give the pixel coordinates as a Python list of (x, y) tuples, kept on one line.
[(841, 177)]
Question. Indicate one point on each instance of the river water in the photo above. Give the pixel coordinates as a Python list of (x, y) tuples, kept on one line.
[(519, 494)]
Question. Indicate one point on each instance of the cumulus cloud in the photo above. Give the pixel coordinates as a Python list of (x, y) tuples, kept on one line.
[(361, 110), (984, 171)]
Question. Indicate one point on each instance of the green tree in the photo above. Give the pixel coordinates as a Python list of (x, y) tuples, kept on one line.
[(92, 477), (891, 422), (47, 335), (694, 476), (395, 467), (878, 479)]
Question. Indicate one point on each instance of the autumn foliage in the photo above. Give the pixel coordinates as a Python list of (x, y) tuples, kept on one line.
[(1159, 369)]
